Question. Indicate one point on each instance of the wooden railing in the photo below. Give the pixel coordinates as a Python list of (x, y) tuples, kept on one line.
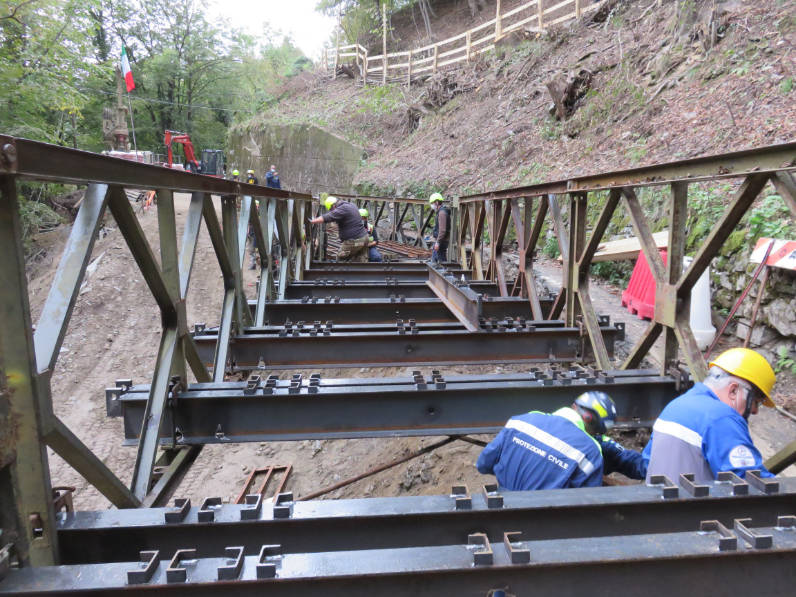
[(410, 65)]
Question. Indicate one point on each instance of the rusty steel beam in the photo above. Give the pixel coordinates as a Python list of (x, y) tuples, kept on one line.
[(768, 160), (381, 346), (461, 301), (42, 161), (422, 310)]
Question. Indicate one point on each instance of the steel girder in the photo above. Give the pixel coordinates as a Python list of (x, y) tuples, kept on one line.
[(317, 408), (404, 344), (373, 275), (380, 523), (361, 290), (347, 311), (749, 559)]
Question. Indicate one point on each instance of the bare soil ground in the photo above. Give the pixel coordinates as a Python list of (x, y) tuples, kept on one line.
[(114, 333)]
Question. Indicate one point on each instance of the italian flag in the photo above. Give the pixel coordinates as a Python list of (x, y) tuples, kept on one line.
[(126, 72)]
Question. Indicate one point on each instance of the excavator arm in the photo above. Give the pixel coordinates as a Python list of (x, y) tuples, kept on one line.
[(187, 147)]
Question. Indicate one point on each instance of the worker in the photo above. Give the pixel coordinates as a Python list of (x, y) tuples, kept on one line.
[(706, 431), (567, 448), (272, 178), (353, 234), (442, 228), (373, 237), (235, 174), (251, 178)]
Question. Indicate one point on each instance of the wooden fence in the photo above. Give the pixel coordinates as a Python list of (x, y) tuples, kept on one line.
[(404, 67)]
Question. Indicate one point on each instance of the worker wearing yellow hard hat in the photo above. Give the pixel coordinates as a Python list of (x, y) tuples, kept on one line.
[(352, 232), (374, 255), (705, 431)]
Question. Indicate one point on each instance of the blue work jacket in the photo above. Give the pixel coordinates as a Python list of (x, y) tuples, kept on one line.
[(543, 451), (697, 433)]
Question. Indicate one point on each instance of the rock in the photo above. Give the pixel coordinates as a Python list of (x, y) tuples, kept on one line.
[(781, 315), (761, 334)]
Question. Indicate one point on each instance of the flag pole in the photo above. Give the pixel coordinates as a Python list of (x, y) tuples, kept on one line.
[(132, 125)]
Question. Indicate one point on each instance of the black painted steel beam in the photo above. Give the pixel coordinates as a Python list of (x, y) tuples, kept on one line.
[(346, 311), (353, 346), (316, 408), (374, 274), (380, 523), (754, 560), (321, 290)]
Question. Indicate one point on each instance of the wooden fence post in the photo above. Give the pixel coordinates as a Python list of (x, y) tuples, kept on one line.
[(336, 52), (365, 69), (436, 52), (409, 70), (469, 45), (498, 22), (541, 17), (384, 44), (577, 9)]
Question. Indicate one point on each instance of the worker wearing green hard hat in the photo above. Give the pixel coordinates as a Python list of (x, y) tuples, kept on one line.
[(442, 227), (373, 237)]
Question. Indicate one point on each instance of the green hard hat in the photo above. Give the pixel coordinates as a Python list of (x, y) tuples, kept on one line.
[(364, 212), (435, 197), (235, 173), (329, 201)]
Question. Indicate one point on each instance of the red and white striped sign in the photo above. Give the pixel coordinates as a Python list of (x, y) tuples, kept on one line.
[(783, 253)]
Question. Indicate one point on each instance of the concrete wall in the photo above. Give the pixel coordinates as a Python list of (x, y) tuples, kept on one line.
[(307, 158)]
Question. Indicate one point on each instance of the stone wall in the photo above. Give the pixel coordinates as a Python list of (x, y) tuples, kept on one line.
[(308, 158)]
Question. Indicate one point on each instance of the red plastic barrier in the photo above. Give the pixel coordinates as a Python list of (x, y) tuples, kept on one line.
[(639, 298)]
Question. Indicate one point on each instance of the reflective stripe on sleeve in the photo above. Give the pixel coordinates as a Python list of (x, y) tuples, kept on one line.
[(584, 464), (682, 432)]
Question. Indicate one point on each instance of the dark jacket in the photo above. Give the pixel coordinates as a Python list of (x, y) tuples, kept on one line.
[(349, 222), (442, 224), (272, 180)]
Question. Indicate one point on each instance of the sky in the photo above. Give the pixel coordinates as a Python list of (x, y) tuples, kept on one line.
[(298, 18)]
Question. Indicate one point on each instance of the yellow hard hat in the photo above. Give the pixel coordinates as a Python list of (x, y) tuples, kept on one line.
[(363, 212), (329, 201), (235, 172), (435, 197), (751, 366)]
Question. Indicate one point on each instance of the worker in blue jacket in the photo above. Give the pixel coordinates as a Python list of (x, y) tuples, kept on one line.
[(567, 448), (705, 431)]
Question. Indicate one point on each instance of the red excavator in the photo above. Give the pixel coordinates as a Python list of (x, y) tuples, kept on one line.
[(212, 162)]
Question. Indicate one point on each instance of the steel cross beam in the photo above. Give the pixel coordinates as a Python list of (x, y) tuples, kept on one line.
[(361, 289), (386, 273), (317, 408), (346, 311), (381, 523), (404, 345), (710, 558)]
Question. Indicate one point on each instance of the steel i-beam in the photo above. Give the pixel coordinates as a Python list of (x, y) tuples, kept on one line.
[(327, 345), (317, 408), (379, 523)]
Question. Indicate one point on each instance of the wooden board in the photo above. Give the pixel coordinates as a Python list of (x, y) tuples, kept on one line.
[(626, 248)]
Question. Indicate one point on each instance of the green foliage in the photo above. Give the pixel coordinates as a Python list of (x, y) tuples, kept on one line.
[(615, 272), (786, 85), (784, 361), (550, 129), (770, 218), (550, 247), (380, 100)]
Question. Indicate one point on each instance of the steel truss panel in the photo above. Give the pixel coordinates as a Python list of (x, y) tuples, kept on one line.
[(650, 563), (379, 523), (275, 348), (345, 311), (317, 408), (331, 289), (371, 265)]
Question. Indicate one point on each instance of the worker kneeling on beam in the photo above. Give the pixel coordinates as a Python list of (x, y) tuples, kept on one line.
[(706, 431), (567, 448), (353, 234), (373, 237)]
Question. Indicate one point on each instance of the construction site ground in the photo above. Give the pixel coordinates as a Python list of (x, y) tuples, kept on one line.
[(114, 333)]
